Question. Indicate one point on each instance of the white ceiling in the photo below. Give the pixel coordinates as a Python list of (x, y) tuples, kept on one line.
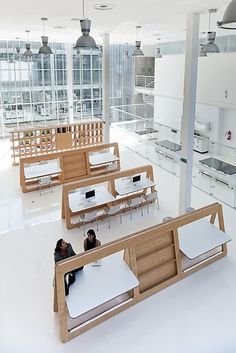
[(167, 17)]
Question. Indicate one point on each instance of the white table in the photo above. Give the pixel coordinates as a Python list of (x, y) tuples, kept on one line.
[(40, 170), (95, 286), (78, 202), (126, 186), (198, 237), (102, 158)]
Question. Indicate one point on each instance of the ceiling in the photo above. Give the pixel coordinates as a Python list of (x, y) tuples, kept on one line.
[(164, 17)]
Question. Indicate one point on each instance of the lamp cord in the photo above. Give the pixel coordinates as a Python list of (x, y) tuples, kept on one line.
[(83, 10)]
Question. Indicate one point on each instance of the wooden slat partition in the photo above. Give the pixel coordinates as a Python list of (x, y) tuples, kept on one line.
[(47, 139), (110, 179), (156, 266), (74, 164)]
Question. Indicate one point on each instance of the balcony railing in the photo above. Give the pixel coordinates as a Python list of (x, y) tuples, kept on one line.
[(144, 81)]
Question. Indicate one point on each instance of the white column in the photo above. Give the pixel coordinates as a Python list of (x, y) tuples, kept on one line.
[(188, 117), (69, 59), (106, 87)]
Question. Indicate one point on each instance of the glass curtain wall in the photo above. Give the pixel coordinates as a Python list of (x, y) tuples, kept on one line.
[(87, 85), (33, 90), (122, 74)]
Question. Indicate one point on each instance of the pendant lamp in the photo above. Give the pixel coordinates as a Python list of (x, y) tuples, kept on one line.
[(85, 41), (229, 18), (210, 47), (44, 49), (202, 53), (137, 50), (18, 53), (158, 49), (28, 53)]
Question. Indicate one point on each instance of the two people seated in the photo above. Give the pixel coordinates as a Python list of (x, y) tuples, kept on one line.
[(64, 250)]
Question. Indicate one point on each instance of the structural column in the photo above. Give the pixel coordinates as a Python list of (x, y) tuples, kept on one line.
[(189, 105), (106, 87), (69, 58)]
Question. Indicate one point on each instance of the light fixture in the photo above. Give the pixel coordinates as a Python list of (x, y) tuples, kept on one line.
[(210, 47), (137, 51), (44, 49), (158, 49), (229, 18), (103, 7), (28, 53), (18, 53), (85, 41), (202, 53)]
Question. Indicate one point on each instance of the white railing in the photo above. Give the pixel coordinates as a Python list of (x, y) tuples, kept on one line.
[(144, 81)]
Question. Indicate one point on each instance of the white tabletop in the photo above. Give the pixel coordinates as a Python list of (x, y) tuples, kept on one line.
[(102, 158), (40, 170), (126, 186), (200, 236), (77, 202), (97, 285)]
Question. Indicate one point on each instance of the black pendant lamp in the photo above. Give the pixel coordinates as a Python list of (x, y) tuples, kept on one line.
[(85, 41), (137, 50), (44, 49), (28, 53)]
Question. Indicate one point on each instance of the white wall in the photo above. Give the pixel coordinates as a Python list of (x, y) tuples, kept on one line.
[(216, 74)]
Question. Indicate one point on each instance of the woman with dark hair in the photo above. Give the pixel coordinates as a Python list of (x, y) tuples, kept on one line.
[(91, 241), (64, 250)]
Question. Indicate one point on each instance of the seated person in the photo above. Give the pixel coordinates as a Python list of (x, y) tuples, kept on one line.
[(64, 250), (91, 242)]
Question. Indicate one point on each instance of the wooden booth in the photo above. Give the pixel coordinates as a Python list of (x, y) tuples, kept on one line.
[(118, 188), (135, 267), (66, 166), (45, 140)]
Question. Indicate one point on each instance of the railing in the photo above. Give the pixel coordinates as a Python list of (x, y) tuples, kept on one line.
[(144, 81)]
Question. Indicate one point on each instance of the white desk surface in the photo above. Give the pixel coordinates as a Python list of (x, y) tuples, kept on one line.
[(102, 158), (40, 170), (200, 236), (125, 186), (97, 285), (77, 202)]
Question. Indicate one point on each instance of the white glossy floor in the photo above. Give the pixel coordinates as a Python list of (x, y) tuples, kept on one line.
[(197, 314)]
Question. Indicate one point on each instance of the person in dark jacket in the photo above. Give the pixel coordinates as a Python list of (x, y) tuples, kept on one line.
[(64, 250), (91, 241)]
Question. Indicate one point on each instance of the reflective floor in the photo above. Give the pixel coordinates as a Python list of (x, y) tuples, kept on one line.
[(198, 314)]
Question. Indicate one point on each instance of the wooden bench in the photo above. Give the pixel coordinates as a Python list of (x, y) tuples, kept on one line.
[(74, 165), (152, 255), (73, 217)]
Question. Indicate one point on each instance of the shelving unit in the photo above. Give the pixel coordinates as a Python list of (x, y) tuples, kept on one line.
[(40, 140)]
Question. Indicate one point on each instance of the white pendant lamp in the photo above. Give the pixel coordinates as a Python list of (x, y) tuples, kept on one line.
[(137, 50), (85, 41), (28, 53), (44, 49), (229, 18), (210, 47)]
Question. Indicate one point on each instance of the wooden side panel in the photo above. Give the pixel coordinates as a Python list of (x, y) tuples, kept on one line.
[(157, 243)]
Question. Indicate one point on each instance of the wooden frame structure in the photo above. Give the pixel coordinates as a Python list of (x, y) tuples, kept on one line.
[(68, 215), (44, 140), (152, 254), (73, 163)]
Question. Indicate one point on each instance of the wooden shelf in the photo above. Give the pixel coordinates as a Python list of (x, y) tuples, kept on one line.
[(55, 138)]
